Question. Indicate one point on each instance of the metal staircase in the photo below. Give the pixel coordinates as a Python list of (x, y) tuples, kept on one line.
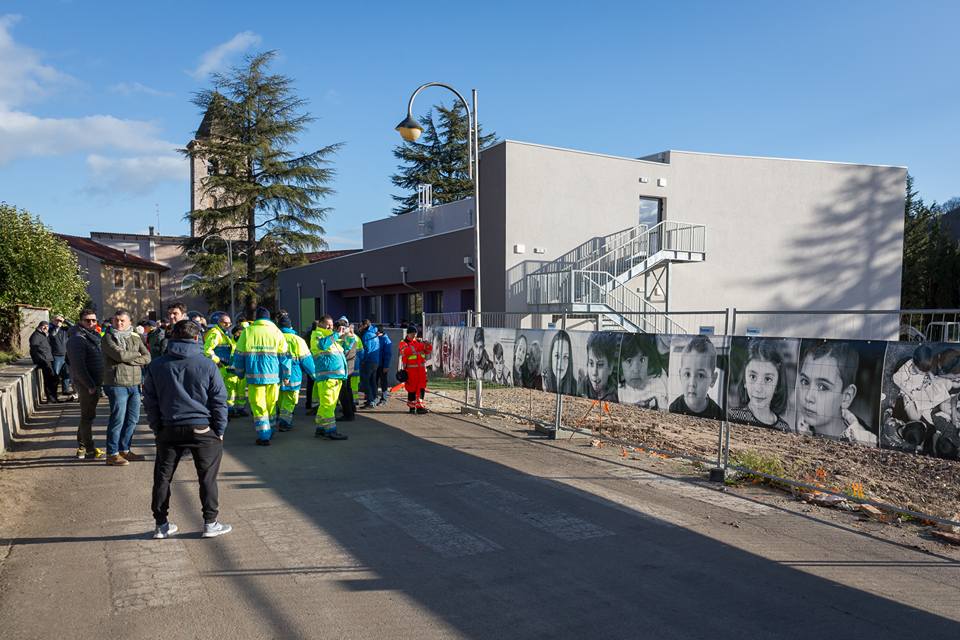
[(595, 277)]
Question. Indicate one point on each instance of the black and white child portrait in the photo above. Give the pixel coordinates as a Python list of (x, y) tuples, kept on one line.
[(559, 364), (838, 389), (527, 355), (478, 365), (763, 373), (696, 375), (644, 363), (919, 406), (599, 376)]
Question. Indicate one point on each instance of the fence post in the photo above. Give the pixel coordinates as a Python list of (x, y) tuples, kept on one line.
[(558, 407), (733, 324)]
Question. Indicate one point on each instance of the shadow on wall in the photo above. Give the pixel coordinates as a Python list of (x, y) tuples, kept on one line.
[(849, 258), (517, 283)]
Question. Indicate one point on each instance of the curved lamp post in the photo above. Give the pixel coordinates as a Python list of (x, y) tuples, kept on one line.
[(409, 129), (229, 243)]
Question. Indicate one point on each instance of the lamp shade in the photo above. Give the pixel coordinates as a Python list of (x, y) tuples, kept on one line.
[(409, 129)]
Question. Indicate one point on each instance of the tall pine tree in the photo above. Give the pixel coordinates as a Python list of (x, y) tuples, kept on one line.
[(931, 258), (263, 192), (439, 158)]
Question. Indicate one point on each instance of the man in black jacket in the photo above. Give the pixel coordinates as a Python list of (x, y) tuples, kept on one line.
[(86, 371), (42, 356), (58, 345), (186, 404)]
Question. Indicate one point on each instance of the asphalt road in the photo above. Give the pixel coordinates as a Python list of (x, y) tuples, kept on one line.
[(435, 527)]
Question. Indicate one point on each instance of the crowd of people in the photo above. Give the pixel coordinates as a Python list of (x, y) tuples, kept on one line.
[(192, 376)]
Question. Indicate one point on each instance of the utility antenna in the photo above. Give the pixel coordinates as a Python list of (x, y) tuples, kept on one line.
[(157, 209)]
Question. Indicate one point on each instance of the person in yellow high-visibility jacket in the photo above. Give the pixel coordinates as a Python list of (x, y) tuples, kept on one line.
[(218, 345), (241, 403), (258, 358), (331, 371), (299, 360)]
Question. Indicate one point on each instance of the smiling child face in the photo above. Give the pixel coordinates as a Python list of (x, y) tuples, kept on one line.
[(760, 380), (560, 359), (520, 352), (598, 370)]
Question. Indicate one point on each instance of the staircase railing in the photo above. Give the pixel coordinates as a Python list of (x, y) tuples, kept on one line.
[(600, 288), (669, 235), (591, 250)]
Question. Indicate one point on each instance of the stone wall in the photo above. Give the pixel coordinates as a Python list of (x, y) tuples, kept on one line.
[(19, 397)]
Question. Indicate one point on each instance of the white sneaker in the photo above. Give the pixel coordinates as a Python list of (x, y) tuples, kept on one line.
[(164, 531), (215, 529)]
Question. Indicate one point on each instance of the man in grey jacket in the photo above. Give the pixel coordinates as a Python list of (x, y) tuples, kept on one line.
[(124, 355), (86, 371)]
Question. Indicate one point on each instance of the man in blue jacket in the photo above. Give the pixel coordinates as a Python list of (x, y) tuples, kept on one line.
[(370, 365), (186, 404), (386, 353)]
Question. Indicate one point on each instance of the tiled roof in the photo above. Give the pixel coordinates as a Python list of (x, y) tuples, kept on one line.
[(110, 255), (319, 256)]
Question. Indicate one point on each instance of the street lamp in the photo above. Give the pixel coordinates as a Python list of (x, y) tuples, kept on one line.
[(229, 243), (409, 129)]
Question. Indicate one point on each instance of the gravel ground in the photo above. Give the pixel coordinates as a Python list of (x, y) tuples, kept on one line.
[(919, 483)]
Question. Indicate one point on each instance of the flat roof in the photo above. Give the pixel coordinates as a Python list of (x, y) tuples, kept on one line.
[(701, 153)]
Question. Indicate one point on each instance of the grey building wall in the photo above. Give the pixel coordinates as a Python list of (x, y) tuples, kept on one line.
[(557, 199), (403, 228), (789, 234)]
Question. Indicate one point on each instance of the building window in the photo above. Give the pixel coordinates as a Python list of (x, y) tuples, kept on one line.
[(466, 300), (118, 278), (137, 280), (388, 305), (151, 282), (651, 211), (414, 307), (371, 308), (434, 302)]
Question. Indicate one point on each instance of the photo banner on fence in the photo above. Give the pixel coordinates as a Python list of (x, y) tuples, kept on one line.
[(894, 395)]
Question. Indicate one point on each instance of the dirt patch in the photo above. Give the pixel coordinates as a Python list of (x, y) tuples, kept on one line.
[(919, 483)]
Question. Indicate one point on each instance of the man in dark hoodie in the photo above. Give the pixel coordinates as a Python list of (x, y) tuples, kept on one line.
[(186, 404), (86, 371)]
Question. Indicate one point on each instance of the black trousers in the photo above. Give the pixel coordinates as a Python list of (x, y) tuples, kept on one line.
[(88, 412), (346, 400), (207, 450), (384, 383), (50, 380), (309, 401)]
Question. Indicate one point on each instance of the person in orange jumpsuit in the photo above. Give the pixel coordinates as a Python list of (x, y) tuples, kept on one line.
[(413, 354)]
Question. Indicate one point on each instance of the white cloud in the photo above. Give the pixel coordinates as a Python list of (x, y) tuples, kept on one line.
[(130, 88), (24, 134), (215, 59), (23, 76), (138, 175)]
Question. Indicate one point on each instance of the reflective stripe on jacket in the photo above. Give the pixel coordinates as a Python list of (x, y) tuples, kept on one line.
[(328, 358), (257, 354), (298, 358), (218, 345)]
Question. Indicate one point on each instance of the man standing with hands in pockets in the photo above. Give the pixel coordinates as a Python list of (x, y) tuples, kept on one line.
[(186, 404)]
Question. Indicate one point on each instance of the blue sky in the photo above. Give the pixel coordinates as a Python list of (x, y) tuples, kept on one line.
[(94, 96)]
